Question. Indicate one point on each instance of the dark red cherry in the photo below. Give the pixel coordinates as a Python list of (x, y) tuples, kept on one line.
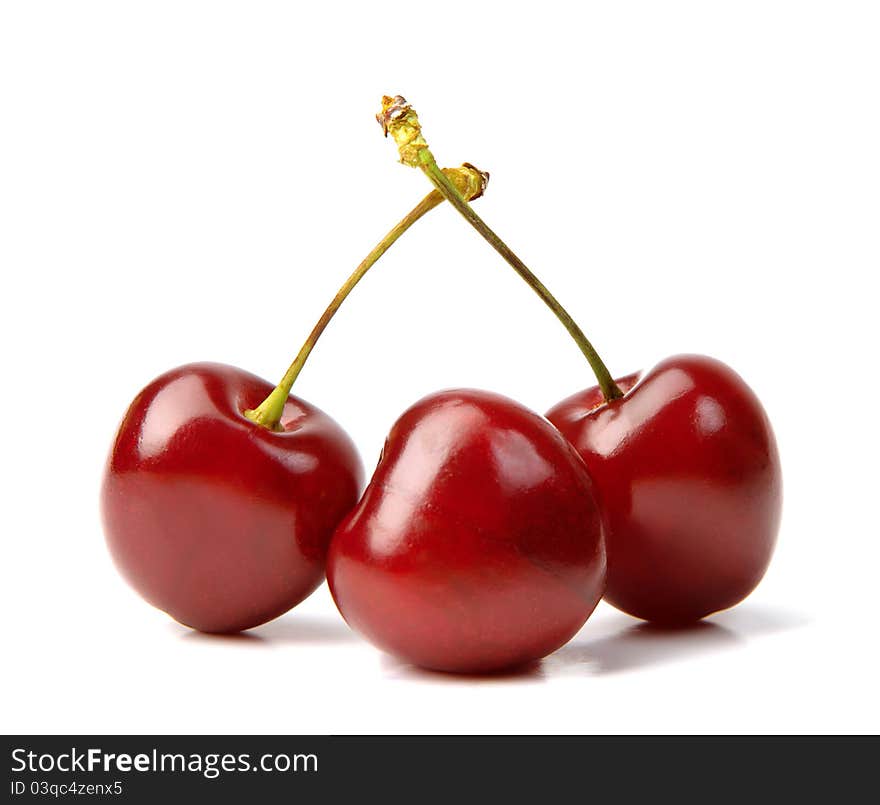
[(220, 522), (690, 484), (477, 545)]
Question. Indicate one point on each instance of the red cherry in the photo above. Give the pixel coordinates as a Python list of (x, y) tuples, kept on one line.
[(218, 521), (477, 545), (689, 479)]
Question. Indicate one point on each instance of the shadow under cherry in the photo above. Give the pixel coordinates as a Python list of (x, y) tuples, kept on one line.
[(290, 629), (399, 669), (298, 628), (640, 645)]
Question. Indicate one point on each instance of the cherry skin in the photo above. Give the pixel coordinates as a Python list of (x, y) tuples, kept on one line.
[(477, 545), (689, 479), (218, 521)]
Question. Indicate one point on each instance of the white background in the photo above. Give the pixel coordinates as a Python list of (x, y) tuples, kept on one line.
[(183, 181)]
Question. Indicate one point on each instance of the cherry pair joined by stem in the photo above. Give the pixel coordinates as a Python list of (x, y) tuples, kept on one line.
[(456, 556)]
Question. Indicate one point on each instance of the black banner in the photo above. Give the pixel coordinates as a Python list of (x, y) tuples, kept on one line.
[(136, 769)]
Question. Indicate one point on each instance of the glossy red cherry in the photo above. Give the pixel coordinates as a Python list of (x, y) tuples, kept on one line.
[(477, 545), (218, 521), (689, 480)]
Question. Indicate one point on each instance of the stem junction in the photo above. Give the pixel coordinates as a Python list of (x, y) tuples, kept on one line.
[(400, 120)]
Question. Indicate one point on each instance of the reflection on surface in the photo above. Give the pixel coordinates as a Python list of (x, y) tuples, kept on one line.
[(642, 645), (398, 669), (296, 628), (638, 646), (290, 628), (618, 643), (710, 416), (170, 409), (242, 639), (417, 459), (518, 465)]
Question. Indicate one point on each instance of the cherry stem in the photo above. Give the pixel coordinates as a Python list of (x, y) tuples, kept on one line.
[(400, 120), (467, 180)]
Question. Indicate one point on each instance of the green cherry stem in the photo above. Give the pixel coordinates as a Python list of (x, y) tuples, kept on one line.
[(400, 120), (466, 182)]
